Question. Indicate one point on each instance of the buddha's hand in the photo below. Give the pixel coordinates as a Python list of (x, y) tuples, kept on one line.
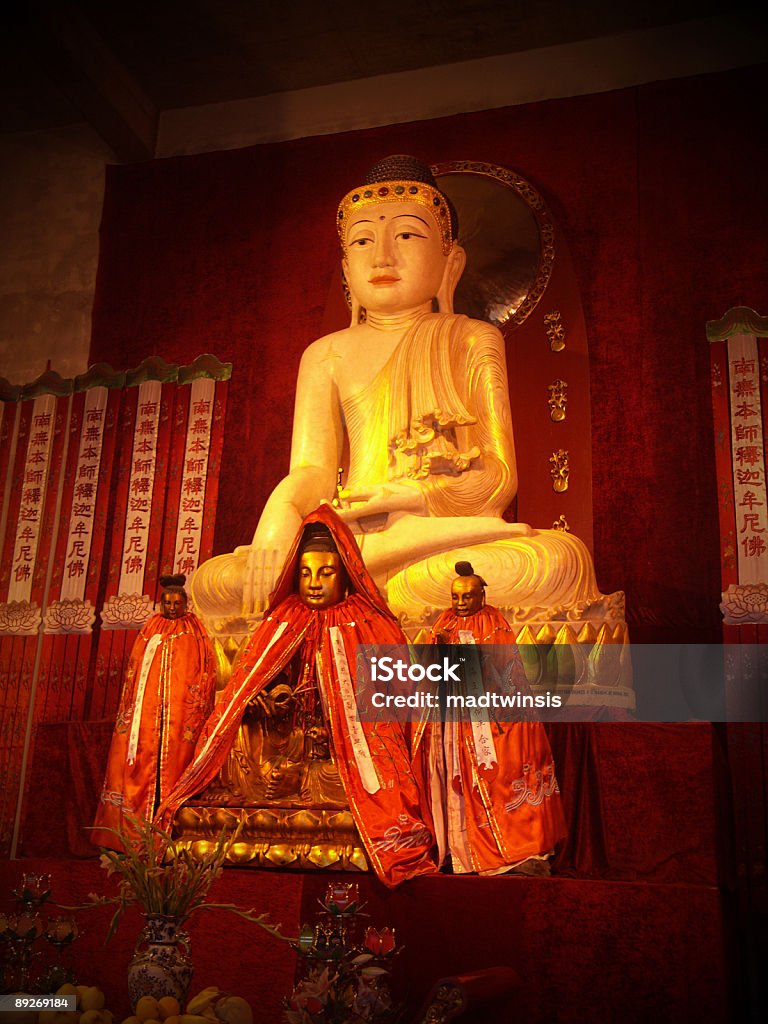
[(261, 572), (382, 499)]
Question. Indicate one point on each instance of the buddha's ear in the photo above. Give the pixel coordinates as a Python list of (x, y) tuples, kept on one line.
[(356, 308), (454, 268)]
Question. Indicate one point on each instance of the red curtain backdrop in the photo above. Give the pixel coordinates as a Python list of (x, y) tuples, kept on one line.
[(658, 191)]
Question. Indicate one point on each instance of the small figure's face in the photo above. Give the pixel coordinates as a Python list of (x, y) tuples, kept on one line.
[(467, 596), (173, 604), (394, 259), (321, 579)]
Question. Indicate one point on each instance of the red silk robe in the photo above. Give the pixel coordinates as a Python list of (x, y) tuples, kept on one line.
[(372, 758), (503, 809), (167, 695)]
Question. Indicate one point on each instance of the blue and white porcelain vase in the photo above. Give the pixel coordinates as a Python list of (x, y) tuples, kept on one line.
[(161, 965)]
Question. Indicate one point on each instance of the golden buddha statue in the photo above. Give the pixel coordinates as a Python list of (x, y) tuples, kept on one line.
[(419, 395), (281, 756)]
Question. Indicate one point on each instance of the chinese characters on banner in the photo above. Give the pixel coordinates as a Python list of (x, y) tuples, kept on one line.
[(82, 510), (193, 482), (749, 482), (34, 489), (141, 489), (739, 359)]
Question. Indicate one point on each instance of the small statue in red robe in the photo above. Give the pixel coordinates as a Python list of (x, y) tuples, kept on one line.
[(500, 808), (298, 672), (167, 696)]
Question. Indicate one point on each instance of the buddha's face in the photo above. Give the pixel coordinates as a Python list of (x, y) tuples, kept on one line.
[(321, 579), (467, 596), (394, 259), (173, 604)]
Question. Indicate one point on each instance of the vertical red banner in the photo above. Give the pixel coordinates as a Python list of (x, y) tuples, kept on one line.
[(174, 481), (723, 462), (32, 513), (741, 338), (214, 469), (71, 609), (140, 509), (8, 416)]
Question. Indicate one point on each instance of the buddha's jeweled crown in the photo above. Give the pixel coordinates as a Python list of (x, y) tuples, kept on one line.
[(400, 179)]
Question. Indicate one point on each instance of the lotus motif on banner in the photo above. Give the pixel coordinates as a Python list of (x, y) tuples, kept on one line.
[(126, 611), (745, 602), (19, 618), (69, 617)]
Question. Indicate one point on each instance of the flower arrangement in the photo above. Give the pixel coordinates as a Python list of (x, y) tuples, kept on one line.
[(160, 876), (345, 975)]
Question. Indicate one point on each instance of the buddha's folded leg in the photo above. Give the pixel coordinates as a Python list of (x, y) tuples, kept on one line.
[(408, 539), (549, 570)]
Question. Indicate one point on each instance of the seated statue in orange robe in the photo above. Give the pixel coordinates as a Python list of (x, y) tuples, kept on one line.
[(501, 806), (298, 671), (167, 695)]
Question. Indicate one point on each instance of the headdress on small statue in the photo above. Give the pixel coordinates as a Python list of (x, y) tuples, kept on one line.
[(396, 179), (465, 569), (317, 537), (359, 579), (173, 583)]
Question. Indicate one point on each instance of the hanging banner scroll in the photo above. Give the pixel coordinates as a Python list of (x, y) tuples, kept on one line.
[(79, 548), (193, 483), (35, 479), (39, 444), (71, 612), (739, 357), (8, 424), (748, 453), (31, 511), (138, 507)]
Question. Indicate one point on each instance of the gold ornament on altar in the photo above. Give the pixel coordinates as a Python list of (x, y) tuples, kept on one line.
[(560, 470), (555, 331), (558, 399)]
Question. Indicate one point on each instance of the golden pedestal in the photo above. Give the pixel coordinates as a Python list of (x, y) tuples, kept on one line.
[(276, 837)]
